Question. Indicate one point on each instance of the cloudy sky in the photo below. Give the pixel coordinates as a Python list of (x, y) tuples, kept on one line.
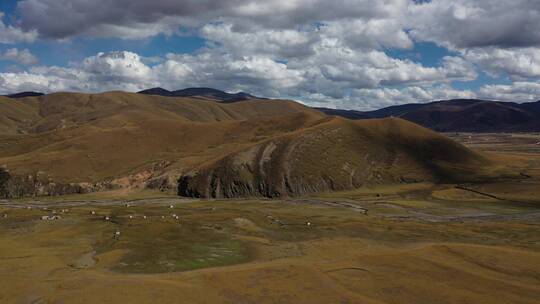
[(354, 54)]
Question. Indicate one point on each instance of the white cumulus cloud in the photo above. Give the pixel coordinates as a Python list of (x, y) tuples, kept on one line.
[(515, 62), (521, 91), (476, 23), (10, 34), (23, 56)]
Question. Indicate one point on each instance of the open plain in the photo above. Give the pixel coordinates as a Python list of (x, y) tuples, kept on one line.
[(408, 243)]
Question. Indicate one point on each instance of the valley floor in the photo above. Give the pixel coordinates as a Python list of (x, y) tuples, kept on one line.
[(411, 243)]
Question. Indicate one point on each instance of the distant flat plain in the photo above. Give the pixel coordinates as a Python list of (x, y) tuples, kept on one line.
[(409, 243)]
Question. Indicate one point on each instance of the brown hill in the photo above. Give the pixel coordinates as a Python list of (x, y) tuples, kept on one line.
[(336, 154), (67, 142), (76, 138)]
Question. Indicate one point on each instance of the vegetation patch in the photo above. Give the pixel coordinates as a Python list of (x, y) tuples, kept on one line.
[(182, 257)]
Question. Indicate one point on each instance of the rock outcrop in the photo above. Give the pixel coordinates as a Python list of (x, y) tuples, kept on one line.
[(32, 185)]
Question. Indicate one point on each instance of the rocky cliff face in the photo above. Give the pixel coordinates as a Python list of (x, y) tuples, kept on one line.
[(33, 185), (40, 184)]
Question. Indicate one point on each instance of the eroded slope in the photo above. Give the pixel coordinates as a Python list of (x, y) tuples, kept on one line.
[(335, 155)]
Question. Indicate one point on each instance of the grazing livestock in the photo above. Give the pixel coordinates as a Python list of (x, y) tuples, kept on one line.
[(50, 217)]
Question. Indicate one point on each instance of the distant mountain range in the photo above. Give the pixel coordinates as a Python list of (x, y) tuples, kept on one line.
[(459, 115), (25, 94), (456, 115), (207, 93)]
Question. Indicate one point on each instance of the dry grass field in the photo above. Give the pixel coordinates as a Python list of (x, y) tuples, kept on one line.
[(411, 243), (378, 211)]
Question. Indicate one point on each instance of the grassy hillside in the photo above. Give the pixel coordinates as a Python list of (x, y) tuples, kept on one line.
[(16, 117), (336, 155), (68, 142), (74, 138)]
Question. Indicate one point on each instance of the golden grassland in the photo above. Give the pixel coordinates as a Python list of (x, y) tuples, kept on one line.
[(408, 242), (418, 243), (342, 257), (88, 138)]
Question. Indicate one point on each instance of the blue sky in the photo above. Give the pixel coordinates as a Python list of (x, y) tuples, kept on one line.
[(357, 54), (61, 53)]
